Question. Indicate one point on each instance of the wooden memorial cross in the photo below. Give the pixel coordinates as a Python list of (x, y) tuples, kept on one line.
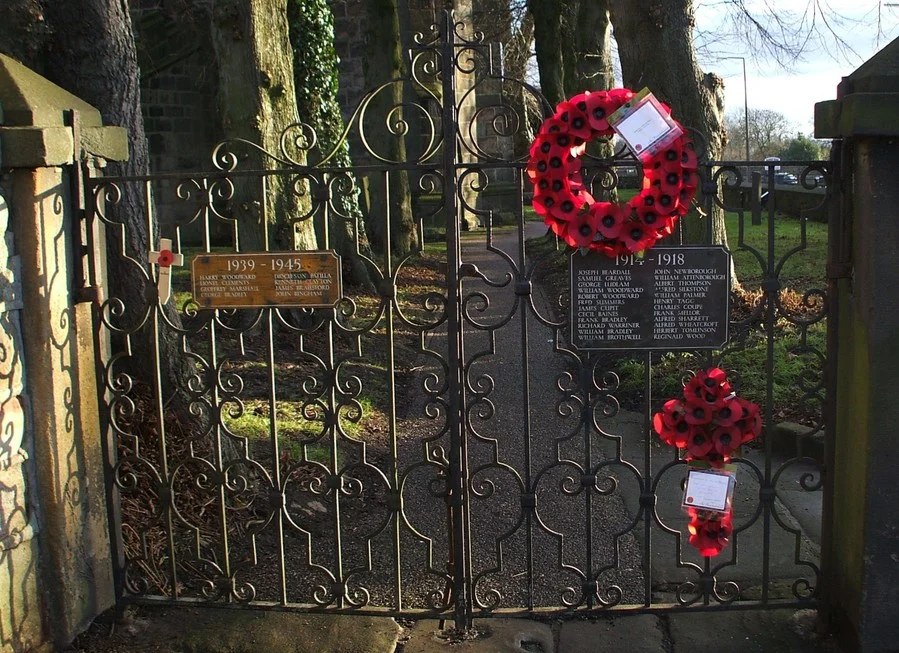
[(165, 259)]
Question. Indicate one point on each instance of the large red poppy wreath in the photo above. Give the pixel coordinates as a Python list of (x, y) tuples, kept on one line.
[(669, 180)]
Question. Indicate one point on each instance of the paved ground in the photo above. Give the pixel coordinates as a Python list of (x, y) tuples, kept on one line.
[(734, 632), (211, 630)]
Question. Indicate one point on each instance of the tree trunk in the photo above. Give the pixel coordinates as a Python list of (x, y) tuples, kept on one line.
[(655, 44), (311, 26), (257, 103), (593, 47), (24, 32), (384, 62), (517, 96), (593, 70), (568, 44), (548, 46), (91, 53)]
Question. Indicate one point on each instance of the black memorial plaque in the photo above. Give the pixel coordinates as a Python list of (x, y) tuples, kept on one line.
[(672, 298)]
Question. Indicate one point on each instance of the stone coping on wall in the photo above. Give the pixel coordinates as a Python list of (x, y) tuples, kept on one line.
[(35, 126)]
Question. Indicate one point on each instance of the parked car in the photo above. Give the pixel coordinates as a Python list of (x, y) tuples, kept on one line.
[(785, 178)]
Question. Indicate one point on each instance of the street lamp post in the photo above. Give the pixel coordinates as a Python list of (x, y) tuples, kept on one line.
[(745, 108), (745, 105)]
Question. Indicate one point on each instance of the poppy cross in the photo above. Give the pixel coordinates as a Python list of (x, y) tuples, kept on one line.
[(165, 259)]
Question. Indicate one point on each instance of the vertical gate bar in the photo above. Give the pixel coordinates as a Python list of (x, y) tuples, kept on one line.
[(837, 258), (586, 388), (332, 401), (109, 436), (218, 452), (276, 453), (770, 290), (461, 610), (525, 389), (393, 472), (647, 480), (160, 404), (389, 315), (710, 194)]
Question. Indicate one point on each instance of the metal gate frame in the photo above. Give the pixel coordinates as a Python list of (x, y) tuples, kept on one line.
[(451, 50)]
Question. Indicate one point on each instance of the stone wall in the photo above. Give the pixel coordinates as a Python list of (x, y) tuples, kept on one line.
[(178, 95), (55, 562), (794, 201), (21, 624)]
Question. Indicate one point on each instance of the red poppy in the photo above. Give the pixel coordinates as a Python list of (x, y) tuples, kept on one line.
[(676, 434), (750, 422), (576, 118), (637, 236), (727, 440), (688, 157), (666, 203), (699, 444), (669, 159), (559, 195), (542, 204), (710, 536), (566, 205), (665, 180), (553, 126), (699, 414), (708, 387), (671, 424), (599, 106), (165, 258), (620, 95), (729, 413), (610, 219), (582, 230)]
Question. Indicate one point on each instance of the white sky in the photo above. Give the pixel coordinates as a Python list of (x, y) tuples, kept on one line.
[(794, 90)]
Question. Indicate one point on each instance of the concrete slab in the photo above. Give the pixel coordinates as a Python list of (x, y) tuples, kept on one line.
[(235, 631), (493, 636), (634, 634), (748, 631)]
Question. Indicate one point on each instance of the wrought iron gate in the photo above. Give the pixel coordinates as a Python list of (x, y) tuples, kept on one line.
[(435, 446)]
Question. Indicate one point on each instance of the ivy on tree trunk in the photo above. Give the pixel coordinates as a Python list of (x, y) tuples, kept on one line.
[(311, 27)]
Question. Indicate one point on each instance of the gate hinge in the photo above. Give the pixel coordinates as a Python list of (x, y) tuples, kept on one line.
[(839, 270), (89, 294)]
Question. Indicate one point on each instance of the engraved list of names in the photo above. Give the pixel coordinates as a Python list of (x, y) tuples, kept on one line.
[(672, 298)]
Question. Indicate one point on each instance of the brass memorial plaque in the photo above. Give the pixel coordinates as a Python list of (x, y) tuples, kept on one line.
[(262, 280)]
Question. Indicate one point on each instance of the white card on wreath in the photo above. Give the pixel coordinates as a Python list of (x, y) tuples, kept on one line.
[(708, 490)]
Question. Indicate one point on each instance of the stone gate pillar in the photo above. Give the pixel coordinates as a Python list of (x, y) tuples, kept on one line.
[(55, 566), (860, 558)]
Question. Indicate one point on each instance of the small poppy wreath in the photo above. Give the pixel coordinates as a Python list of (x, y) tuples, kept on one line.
[(710, 423), (669, 183)]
